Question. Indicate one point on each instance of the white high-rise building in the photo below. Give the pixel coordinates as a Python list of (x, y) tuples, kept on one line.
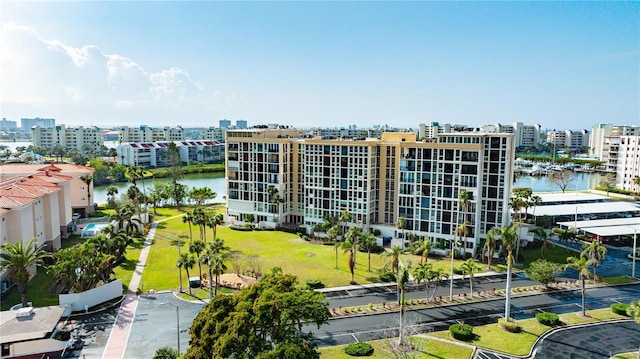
[(377, 180), (77, 138), (525, 135), (602, 130), (628, 164)]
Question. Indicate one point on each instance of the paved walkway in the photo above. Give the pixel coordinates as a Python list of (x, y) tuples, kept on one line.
[(119, 336)]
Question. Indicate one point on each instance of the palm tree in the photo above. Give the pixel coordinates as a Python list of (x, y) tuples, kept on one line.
[(187, 262), (166, 353), (393, 259), (112, 191), (423, 248), (353, 235), (403, 280), (214, 249), (218, 267), (636, 181), (464, 200), (332, 234), (87, 179), (423, 272), (535, 201), (581, 265), (634, 310), (596, 251), (400, 224), (460, 231), (188, 218), (490, 244), (17, 259), (197, 247), (541, 235), (509, 237), (565, 235), (347, 247), (345, 217), (437, 276), (368, 242), (215, 221), (469, 267)]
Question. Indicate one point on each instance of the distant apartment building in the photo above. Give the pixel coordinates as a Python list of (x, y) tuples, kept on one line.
[(215, 134), (241, 124), (8, 125), (346, 133), (154, 154), (525, 135), (432, 130), (628, 163), (145, 133), (377, 180), (224, 123), (602, 130), (78, 138), (577, 140), (27, 123)]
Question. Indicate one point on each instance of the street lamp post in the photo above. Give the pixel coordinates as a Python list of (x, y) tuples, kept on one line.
[(178, 326), (179, 269), (633, 254)]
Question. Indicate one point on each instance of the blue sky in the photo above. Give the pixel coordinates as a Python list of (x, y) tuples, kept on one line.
[(564, 65)]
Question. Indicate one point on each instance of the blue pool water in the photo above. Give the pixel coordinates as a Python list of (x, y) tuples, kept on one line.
[(92, 229)]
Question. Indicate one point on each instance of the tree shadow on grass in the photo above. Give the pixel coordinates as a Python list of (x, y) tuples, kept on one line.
[(128, 264)]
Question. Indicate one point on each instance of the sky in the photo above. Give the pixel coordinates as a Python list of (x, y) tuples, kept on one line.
[(563, 65)]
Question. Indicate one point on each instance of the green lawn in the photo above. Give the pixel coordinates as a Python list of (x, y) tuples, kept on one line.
[(492, 337), (554, 254), (427, 349), (42, 291)]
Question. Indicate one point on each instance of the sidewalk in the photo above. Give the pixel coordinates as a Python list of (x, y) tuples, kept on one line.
[(119, 336)]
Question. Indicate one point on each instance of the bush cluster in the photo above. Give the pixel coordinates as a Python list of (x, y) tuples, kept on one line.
[(461, 331), (620, 308), (315, 284), (359, 349), (548, 319), (509, 325), (376, 249), (387, 277), (241, 228)]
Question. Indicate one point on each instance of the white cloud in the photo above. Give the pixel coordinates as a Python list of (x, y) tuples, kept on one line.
[(74, 84)]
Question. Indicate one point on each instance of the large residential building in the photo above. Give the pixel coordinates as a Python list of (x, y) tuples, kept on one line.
[(145, 133), (215, 134), (628, 163), (377, 180), (77, 138), (602, 130), (27, 123), (154, 154), (577, 140), (433, 129), (81, 194), (8, 125), (524, 135)]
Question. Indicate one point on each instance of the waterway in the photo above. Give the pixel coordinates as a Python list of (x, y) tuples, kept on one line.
[(216, 181)]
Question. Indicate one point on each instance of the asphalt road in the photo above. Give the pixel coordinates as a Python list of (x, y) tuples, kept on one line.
[(348, 330)]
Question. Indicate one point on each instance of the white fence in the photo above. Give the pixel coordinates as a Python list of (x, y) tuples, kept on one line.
[(81, 301)]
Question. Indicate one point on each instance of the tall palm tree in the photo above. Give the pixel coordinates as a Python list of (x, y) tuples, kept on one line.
[(197, 247), (215, 248), (535, 201), (17, 259), (332, 234), (345, 217), (393, 259), (187, 262), (595, 251), (464, 200), (581, 265), (400, 224), (423, 272), (88, 180), (437, 276), (423, 248), (347, 247), (188, 218), (565, 235), (509, 237), (403, 280), (353, 236), (460, 231), (368, 242), (541, 235), (215, 221), (218, 268), (469, 267), (112, 191), (490, 244)]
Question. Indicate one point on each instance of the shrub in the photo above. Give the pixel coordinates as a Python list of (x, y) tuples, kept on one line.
[(303, 230), (461, 331), (548, 319), (359, 349), (376, 249), (376, 232), (509, 325), (241, 228), (620, 308), (388, 277), (315, 284)]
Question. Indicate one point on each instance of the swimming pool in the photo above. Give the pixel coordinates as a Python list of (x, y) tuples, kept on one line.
[(92, 229)]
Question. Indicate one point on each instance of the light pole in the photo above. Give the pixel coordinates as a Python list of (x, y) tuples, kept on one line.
[(179, 269), (633, 254), (177, 323)]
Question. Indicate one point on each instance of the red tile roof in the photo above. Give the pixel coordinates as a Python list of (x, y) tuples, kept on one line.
[(22, 190)]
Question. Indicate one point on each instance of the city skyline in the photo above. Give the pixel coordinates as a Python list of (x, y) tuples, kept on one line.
[(560, 65)]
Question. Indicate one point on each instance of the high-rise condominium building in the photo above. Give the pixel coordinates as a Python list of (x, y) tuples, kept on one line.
[(602, 130), (78, 138), (377, 180), (569, 139), (524, 135), (27, 123), (628, 163), (145, 133)]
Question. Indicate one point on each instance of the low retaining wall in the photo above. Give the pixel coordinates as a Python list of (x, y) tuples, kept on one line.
[(76, 302)]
